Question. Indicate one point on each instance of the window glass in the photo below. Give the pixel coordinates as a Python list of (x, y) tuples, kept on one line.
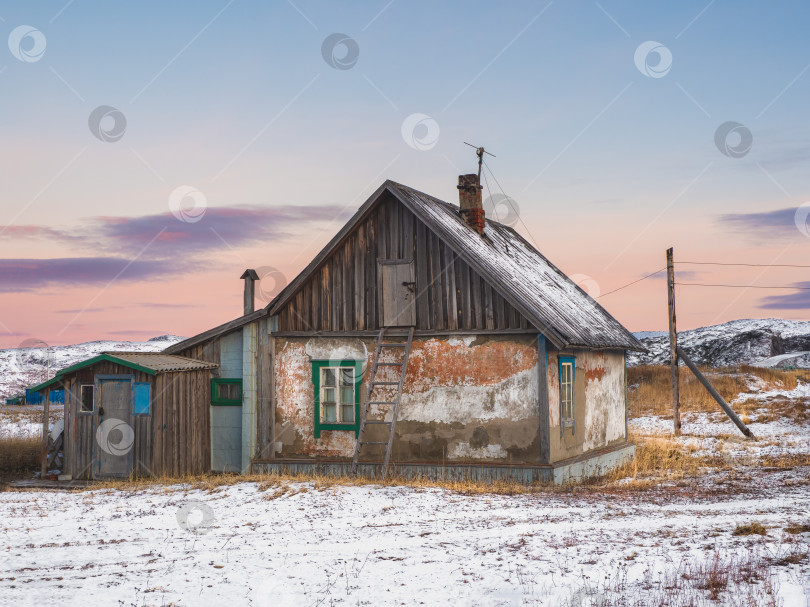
[(567, 391), (229, 392), (226, 392), (347, 376), (337, 395), (87, 397), (329, 411), (347, 413), (140, 398)]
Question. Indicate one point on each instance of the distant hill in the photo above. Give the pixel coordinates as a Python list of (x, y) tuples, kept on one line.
[(26, 367), (738, 342)]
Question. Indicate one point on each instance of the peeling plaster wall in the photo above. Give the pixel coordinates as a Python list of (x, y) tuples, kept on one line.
[(465, 399), (599, 404)]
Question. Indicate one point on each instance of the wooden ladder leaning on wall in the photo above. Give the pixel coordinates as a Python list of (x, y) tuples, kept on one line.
[(373, 384)]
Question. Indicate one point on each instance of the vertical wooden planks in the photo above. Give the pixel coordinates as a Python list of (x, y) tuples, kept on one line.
[(358, 262), (422, 295), (343, 293), (348, 287), (450, 318), (477, 316), (499, 305), (466, 307), (372, 283)]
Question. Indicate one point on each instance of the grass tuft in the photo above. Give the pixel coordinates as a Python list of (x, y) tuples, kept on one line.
[(19, 455), (795, 529), (750, 529), (650, 391)]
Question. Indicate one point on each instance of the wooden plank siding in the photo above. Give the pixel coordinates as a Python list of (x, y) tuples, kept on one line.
[(172, 440), (182, 423), (207, 351), (343, 293)]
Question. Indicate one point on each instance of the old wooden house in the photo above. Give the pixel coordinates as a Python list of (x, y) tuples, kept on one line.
[(424, 334), (496, 363)]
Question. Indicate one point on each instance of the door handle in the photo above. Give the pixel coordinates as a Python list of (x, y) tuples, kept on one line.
[(101, 411), (409, 285)]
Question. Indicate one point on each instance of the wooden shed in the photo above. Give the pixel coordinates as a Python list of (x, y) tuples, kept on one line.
[(134, 413)]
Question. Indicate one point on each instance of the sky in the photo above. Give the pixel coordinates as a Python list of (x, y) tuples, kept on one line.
[(153, 151)]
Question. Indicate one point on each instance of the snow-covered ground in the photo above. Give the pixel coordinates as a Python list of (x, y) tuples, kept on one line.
[(278, 543), (366, 545), (715, 434)]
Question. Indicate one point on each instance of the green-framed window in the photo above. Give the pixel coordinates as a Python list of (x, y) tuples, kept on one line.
[(337, 394), (226, 392), (567, 371)]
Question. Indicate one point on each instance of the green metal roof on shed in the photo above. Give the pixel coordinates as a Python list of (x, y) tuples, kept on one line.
[(150, 363)]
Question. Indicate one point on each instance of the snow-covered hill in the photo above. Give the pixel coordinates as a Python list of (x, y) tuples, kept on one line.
[(738, 342), (21, 368)]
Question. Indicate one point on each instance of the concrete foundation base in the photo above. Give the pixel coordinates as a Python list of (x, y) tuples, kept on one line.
[(594, 463)]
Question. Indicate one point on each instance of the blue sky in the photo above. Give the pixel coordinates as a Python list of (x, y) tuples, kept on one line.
[(607, 165)]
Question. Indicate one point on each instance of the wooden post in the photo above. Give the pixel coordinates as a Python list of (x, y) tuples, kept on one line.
[(673, 343), (45, 415), (715, 394)]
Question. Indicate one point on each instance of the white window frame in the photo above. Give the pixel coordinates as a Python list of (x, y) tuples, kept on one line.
[(338, 388), (81, 398), (567, 392)]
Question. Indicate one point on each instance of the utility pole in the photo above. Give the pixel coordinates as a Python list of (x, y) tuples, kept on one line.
[(673, 343)]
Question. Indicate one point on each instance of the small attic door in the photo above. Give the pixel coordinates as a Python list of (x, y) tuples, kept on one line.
[(397, 292)]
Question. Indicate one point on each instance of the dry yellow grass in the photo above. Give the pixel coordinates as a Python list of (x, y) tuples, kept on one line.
[(280, 484), (650, 389), (660, 458), (29, 413), (19, 455), (750, 529)]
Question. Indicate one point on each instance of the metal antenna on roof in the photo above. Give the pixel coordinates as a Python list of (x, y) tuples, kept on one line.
[(480, 153)]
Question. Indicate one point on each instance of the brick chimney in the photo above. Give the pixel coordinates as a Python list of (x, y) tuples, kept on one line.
[(469, 199), (250, 277)]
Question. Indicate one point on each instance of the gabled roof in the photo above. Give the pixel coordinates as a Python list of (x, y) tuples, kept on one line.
[(555, 305), (222, 329), (151, 363)]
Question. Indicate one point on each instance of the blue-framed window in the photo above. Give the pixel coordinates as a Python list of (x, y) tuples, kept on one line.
[(140, 398), (337, 395), (568, 370)]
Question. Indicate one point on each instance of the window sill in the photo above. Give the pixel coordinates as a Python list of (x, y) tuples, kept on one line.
[(338, 427)]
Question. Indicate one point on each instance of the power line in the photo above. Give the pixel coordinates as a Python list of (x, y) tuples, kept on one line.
[(632, 283), (753, 265), (509, 202), (486, 181), (698, 284)]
